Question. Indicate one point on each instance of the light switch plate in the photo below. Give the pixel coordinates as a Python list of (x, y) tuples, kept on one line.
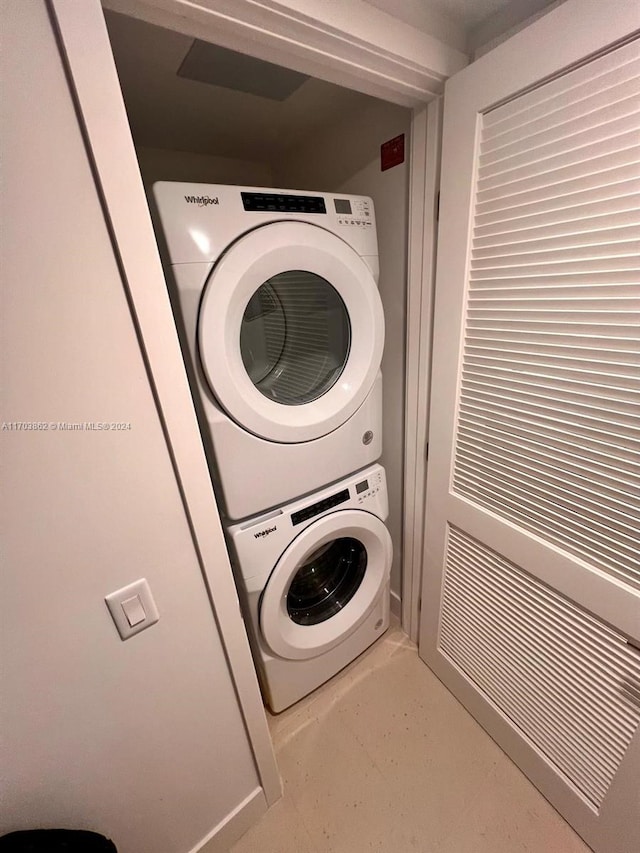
[(116, 599)]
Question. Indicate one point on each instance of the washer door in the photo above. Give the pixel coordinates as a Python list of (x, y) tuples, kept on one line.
[(291, 331), (325, 584)]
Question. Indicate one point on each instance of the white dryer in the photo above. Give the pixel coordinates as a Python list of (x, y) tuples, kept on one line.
[(277, 303), (313, 577)]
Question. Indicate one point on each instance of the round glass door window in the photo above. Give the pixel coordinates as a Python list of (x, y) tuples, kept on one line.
[(295, 337), (326, 581)]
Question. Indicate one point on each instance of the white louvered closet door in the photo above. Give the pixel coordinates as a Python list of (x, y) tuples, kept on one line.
[(531, 596)]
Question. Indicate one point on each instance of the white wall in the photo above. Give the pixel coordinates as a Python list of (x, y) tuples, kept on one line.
[(505, 23), (346, 158), (142, 740), (158, 164), (427, 16)]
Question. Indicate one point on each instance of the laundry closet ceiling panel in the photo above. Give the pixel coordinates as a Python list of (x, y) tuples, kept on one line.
[(218, 66)]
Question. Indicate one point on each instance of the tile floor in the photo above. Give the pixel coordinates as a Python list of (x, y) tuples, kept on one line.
[(383, 758)]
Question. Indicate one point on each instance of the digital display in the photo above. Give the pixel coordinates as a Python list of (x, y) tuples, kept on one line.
[(343, 205), (269, 202), (362, 487), (315, 509)]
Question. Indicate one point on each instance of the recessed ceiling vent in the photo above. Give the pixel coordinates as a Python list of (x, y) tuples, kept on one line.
[(209, 63)]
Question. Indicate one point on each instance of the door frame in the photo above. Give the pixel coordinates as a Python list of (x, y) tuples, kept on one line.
[(362, 49), (377, 55), (424, 183), (409, 71)]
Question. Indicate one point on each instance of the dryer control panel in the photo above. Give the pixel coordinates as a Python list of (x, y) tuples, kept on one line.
[(283, 203), (200, 221), (354, 212)]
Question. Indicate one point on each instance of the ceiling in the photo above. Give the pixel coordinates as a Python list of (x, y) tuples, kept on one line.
[(469, 14)]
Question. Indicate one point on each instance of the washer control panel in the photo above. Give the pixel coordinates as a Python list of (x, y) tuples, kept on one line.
[(259, 542), (319, 507), (369, 488), (353, 212)]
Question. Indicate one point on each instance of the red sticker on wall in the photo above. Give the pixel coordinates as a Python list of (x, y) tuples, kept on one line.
[(392, 152)]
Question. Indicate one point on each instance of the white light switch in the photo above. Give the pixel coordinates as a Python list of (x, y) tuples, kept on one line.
[(132, 608), (134, 611)]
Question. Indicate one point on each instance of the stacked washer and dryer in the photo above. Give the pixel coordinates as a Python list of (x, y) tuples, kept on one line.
[(276, 302)]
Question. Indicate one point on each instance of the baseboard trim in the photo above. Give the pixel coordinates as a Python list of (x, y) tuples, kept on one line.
[(234, 825), (396, 605)]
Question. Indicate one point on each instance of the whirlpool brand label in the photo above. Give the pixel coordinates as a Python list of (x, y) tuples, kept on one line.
[(264, 532), (201, 200)]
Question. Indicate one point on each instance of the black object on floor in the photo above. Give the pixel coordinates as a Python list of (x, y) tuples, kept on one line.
[(56, 841)]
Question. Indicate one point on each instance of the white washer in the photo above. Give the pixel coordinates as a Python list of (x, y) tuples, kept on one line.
[(313, 577), (277, 303)]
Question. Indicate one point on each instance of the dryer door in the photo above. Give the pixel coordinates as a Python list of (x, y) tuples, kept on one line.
[(291, 331), (325, 584)]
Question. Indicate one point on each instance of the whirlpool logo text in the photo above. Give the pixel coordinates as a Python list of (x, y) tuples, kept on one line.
[(265, 532), (201, 200)]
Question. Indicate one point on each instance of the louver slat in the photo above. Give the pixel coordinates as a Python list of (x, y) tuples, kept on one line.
[(572, 148), (610, 146), (540, 252), (605, 74), (565, 220), (563, 176), (560, 205), (556, 186), (615, 481), (594, 109), (568, 682), (617, 117), (591, 447), (548, 431)]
